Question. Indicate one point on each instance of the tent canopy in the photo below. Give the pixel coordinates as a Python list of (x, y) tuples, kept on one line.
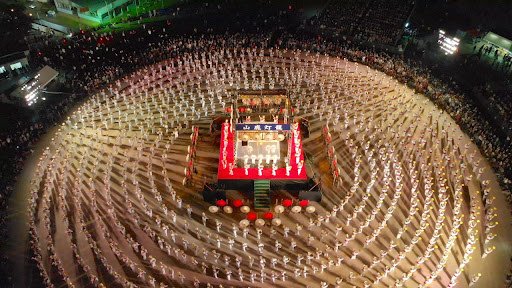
[(498, 41)]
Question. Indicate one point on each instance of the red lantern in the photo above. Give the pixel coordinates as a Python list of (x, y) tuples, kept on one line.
[(287, 202), (237, 203), (304, 203), (221, 203), (252, 216), (268, 216)]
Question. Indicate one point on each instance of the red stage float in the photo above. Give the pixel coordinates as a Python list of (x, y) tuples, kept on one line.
[(261, 148)]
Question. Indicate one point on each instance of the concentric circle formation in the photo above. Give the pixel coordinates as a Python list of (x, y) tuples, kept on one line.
[(406, 203)]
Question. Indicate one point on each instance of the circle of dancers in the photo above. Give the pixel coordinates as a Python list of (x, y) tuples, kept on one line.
[(407, 202)]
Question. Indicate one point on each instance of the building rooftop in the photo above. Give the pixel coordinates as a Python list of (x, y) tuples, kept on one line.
[(92, 5), (13, 57)]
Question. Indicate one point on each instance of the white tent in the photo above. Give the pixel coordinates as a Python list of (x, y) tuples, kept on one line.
[(498, 40)]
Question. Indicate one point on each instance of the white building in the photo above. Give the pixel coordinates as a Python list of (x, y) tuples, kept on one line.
[(99, 11)]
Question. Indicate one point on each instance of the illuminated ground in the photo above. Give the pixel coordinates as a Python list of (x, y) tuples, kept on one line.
[(400, 158)]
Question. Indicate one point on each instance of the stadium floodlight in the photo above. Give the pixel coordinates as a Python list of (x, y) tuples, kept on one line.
[(33, 89), (448, 44)]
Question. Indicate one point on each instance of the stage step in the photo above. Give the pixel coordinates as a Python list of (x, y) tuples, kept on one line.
[(261, 194)]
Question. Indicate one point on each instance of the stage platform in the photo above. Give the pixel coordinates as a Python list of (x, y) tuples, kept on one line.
[(239, 172)]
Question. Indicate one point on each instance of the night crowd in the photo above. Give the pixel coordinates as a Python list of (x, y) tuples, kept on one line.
[(91, 61), (374, 21)]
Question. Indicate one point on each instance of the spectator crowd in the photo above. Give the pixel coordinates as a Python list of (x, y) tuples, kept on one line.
[(374, 21)]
